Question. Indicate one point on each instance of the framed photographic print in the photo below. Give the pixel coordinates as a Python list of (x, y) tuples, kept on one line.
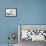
[(33, 32), (11, 11)]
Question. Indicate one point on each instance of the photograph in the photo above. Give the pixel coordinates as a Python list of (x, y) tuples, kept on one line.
[(10, 11), (30, 34)]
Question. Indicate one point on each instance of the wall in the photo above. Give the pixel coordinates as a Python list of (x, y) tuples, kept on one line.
[(28, 12)]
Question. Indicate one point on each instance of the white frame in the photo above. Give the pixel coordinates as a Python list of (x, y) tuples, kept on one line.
[(20, 27)]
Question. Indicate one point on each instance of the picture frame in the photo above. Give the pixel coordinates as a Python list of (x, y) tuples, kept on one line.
[(11, 12), (40, 29)]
